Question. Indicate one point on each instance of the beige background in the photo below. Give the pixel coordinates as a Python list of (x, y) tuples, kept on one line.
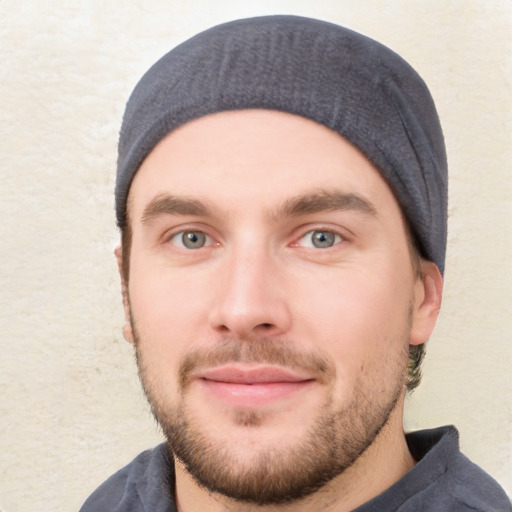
[(70, 407)]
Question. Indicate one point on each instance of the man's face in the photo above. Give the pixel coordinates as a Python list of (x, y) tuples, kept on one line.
[(271, 299)]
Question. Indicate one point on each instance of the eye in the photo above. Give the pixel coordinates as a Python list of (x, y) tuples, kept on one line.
[(191, 240), (320, 239)]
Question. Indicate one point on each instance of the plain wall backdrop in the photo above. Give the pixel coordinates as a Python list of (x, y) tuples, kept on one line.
[(71, 411)]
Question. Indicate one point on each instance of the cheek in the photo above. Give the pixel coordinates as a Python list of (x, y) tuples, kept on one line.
[(358, 318), (164, 297), (166, 311), (348, 299)]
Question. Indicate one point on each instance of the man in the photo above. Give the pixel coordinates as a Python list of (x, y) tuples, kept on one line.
[(281, 193)]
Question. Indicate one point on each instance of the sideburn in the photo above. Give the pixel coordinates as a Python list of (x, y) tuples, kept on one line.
[(126, 245)]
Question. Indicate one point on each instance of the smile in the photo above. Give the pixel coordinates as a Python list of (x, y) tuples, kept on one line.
[(252, 387)]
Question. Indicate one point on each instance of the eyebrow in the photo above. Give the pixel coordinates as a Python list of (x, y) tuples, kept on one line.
[(172, 205), (325, 201), (304, 204)]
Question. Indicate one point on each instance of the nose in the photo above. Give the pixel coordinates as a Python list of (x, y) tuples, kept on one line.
[(250, 301)]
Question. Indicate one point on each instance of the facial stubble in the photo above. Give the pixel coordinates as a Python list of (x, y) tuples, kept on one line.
[(276, 473)]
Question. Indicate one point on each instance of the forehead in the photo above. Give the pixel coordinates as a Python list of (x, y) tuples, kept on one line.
[(254, 158)]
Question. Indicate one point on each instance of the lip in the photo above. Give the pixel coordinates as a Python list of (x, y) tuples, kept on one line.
[(251, 374), (243, 386)]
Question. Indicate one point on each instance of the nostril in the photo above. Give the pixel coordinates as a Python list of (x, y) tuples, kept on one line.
[(266, 325)]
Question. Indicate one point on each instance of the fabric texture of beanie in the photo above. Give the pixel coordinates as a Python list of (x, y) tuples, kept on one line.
[(315, 69)]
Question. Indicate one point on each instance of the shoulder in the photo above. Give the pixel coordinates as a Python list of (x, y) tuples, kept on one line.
[(459, 484), (443, 480), (141, 486), (472, 486)]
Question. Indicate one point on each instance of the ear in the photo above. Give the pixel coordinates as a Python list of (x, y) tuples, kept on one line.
[(428, 292), (127, 328)]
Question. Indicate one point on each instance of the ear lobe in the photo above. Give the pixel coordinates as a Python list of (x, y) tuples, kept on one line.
[(127, 328), (128, 332), (427, 303)]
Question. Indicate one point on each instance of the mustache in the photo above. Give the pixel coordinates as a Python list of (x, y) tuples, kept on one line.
[(261, 351)]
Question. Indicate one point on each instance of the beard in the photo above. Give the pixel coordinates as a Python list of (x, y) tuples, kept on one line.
[(277, 473)]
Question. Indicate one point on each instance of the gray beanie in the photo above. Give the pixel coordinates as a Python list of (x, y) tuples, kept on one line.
[(318, 70)]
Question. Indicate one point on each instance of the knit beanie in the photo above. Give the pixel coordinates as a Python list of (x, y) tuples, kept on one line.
[(318, 70)]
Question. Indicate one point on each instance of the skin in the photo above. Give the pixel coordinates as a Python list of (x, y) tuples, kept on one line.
[(258, 185)]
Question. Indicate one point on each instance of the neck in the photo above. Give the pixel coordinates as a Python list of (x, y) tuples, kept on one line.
[(384, 462)]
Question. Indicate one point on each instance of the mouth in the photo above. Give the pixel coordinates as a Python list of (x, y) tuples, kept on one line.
[(252, 386)]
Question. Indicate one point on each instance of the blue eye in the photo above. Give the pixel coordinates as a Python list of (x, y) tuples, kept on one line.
[(191, 240), (319, 239)]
